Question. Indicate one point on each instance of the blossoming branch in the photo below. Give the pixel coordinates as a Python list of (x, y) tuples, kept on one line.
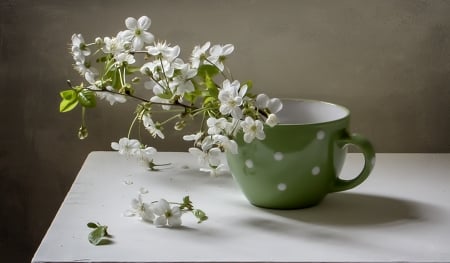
[(201, 87)]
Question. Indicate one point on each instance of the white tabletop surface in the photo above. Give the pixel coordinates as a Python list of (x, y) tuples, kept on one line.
[(400, 213)]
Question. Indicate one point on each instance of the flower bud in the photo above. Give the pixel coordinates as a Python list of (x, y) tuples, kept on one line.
[(262, 100), (275, 105), (272, 120)]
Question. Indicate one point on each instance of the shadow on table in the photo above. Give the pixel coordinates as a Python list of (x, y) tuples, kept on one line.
[(356, 209)]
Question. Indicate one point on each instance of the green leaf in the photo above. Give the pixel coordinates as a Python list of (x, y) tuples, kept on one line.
[(114, 75), (207, 70), (200, 215), (187, 203), (209, 100), (68, 94), (86, 98), (67, 105), (210, 84), (96, 236), (69, 100), (92, 225)]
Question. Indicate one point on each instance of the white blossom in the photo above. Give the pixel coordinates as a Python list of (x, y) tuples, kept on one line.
[(84, 67), (137, 32), (252, 128), (199, 54), (141, 209), (166, 215), (91, 77), (79, 47), (263, 101), (151, 127), (126, 146), (112, 96), (146, 154), (227, 143), (124, 59), (216, 126), (182, 81), (231, 98), (164, 51), (114, 45), (158, 69), (210, 157), (215, 171), (218, 54)]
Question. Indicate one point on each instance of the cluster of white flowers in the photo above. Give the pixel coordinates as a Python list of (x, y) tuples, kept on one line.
[(227, 106), (132, 147), (159, 213), (162, 213)]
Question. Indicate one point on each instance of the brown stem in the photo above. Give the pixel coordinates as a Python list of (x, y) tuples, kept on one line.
[(176, 103)]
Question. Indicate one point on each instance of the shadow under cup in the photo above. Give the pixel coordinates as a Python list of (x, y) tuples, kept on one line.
[(299, 161)]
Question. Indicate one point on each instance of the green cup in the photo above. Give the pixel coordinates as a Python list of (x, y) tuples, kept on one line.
[(299, 161)]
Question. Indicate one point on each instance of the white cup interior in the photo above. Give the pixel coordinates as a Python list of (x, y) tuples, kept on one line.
[(310, 111)]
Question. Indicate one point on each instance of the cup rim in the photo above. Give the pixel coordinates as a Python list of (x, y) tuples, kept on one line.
[(343, 108)]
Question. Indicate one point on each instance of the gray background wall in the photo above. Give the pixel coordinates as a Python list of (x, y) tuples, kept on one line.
[(388, 61)]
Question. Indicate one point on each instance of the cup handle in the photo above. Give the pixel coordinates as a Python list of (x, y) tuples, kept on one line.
[(369, 161)]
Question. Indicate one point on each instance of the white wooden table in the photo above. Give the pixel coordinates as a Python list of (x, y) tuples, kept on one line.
[(401, 213)]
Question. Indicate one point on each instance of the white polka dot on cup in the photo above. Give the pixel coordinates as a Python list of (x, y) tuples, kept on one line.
[(320, 135), (315, 170), (249, 163), (282, 187), (278, 156)]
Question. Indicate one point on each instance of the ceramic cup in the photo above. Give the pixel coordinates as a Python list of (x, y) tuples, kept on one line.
[(299, 161)]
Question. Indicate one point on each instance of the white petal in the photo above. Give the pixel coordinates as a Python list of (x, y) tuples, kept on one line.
[(248, 138), (227, 49), (160, 221), (148, 37), (215, 51), (160, 207), (190, 137), (147, 214), (144, 22), (243, 90), (176, 211), (125, 35), (138, 43), (174, 221), (260, 135), (275, 105), (236, 113), (115, 146), (131, 23), (262, 100), (195, 151), (211, 121), (232, 147), (225, 84)]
